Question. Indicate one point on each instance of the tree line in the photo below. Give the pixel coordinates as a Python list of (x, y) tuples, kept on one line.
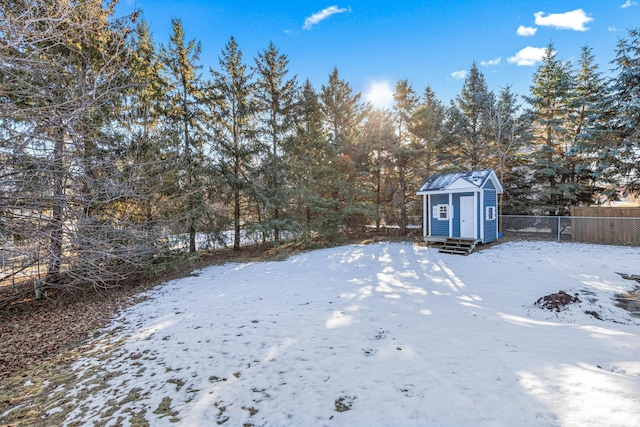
[(111, 143)]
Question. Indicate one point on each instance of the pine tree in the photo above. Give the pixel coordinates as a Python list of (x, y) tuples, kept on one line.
[(342, 117), (622, 157), (549, 102), (235, 139), (142, 118), (149, 86), (468, 143), (274, 97), (185, 93), (341, 111), (309, 154), (406, 149), (379, 139), (586, 130), (63, 71), (427, 127)]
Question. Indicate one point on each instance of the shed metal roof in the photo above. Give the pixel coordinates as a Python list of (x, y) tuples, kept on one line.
[(440, 182)]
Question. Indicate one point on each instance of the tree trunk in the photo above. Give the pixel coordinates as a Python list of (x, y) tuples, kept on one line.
[(378, 191), (236, 207), (187, 154), (276, 228), (236, 219), (403, 202), (57, 214)]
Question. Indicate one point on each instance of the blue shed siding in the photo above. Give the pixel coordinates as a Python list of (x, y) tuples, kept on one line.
[(490, 227), (489, 185), (438, 227), (456, 215)]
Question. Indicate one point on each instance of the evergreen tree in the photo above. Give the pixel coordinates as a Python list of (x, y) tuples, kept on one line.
[(405, 152), (309, 155), (468, 143), (142, 118), (379, 139), (342, 112), (63, 77), (586, 130), (275, 98), (185, 94), (622, 156), (342, 117), (427, 127), (235, 144), (148, 89), (549, 102)]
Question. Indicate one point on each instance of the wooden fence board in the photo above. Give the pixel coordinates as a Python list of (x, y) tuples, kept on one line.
[(612, 225)]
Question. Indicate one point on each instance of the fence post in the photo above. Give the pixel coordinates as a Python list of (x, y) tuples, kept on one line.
[(558, 228)]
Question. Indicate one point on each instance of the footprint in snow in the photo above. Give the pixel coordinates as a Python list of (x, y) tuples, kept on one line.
[(407, 390), (380, 335)]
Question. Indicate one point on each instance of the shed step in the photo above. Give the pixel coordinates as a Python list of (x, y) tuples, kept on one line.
[(453, 251), (458, 246)]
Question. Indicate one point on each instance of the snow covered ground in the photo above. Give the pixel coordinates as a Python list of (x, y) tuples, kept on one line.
[(387, 334)]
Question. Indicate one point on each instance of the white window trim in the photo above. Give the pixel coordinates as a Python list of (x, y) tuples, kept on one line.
[(490, 213), (440, 209)]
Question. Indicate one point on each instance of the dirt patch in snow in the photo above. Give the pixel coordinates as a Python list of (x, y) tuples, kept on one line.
[(630, 301), (557, 301)]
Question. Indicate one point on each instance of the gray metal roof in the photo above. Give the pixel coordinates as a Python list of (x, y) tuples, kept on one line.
[(443, 181)]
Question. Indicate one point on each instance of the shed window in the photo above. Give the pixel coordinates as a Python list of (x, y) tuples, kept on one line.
[(491, 213), (441, 212)]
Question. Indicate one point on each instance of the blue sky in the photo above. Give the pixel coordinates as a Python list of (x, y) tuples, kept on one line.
[(377, 43)]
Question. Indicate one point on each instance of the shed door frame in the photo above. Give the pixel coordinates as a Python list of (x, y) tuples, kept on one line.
[(467, 217)]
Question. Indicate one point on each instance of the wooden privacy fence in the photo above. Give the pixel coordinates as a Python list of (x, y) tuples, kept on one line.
[(611, 230), (610, 225)]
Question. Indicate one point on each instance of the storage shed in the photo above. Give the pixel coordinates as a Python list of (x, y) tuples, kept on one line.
[(461, 205)]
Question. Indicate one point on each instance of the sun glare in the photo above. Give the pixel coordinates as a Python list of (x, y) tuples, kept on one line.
[(380, 95)]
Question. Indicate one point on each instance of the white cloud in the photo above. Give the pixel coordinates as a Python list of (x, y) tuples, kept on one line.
[(459, 75), (526, 31), (629, 3), (317, 17), (490, 62), (573, 20), (527, 56), (612, 29)]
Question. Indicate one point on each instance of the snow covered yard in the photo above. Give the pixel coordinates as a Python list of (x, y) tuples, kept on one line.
[(385, 334)]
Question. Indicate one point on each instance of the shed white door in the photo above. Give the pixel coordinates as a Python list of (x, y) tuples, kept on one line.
[(467, 228)]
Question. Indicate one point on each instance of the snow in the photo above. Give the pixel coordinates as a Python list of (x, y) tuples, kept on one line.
[(443, 181), (379, 335)]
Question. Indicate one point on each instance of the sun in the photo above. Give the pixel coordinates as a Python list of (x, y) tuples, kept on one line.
[(380, 95)]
